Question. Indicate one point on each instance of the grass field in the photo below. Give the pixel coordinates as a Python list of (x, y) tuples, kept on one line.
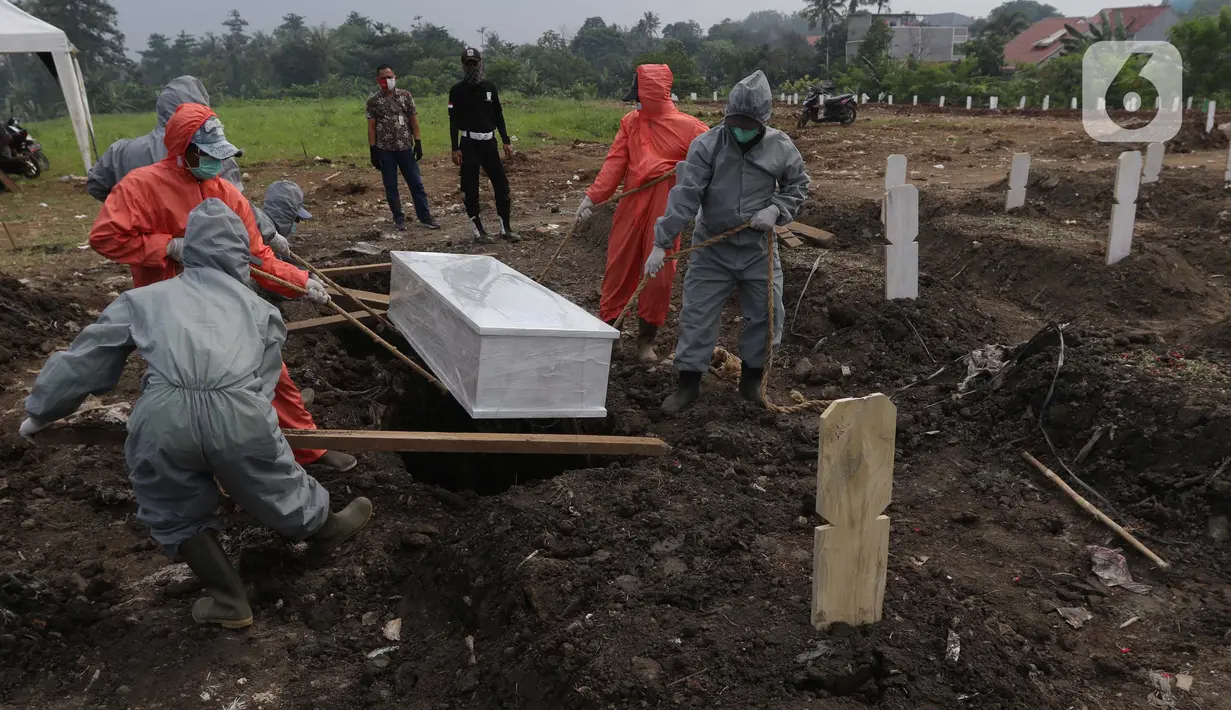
[(337, 128)]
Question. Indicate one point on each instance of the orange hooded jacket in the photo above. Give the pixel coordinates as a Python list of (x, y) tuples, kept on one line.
[(150, 207), (650, 142)]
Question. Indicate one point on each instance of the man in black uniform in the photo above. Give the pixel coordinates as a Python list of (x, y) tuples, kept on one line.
[(475, 114)]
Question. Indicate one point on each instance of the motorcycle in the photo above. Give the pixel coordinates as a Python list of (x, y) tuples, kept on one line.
[(22, 154), (820, 107)]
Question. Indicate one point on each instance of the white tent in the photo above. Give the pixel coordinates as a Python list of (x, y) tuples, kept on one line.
[(22, 33)]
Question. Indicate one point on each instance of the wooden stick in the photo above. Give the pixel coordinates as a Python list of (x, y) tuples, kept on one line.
[(355, 322), (358, 270), (332, 284), (9, 235), (425, 441), (322, 323), (629, 193), (1126, 535)]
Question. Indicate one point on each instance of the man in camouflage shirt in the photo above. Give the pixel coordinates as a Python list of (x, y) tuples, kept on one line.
[(394, 143)]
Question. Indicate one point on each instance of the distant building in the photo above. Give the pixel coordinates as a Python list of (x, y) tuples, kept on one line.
[(912, 37), (1044, 39), (947, 19)]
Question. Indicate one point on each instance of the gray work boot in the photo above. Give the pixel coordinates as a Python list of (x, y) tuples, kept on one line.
[(687, 392), (340, 527), (750, 383), (338, 461), (308, 395), (507, 233), (645, 342), (480, 235), (227, 603)]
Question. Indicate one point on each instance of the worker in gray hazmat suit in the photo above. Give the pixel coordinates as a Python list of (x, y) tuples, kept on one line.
[(277, 217), (214, 354), (740, 172), (128, 154)]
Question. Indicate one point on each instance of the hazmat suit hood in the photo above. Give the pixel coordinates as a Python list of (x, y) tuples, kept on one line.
[(216, 238), (187, 120), (181, 90), (752, 97), (654, 82), (284, 205)]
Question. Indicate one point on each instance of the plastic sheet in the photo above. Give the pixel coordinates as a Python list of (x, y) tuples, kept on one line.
[(504, 346)]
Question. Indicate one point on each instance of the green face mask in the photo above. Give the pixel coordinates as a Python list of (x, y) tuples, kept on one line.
[(207, 168), (744, 135)]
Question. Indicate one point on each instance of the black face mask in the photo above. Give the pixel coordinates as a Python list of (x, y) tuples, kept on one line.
[(632, 97)]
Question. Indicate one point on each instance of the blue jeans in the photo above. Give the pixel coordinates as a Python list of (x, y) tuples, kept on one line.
[(390, 162)]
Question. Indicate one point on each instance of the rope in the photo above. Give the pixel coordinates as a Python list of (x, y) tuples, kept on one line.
[(576, 222), (355, 322), (802, 404), (335, 286)]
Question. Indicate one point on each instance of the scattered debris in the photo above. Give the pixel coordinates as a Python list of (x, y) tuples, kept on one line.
[(369, 618), (1112, 570), (953, 648), (1161, 697), (920, 560), (470, 647), (1130, 622), (393, 630), (383, 650), (1184, 682), (363, 248), (1075, 616), (987, 360), (822, 649)]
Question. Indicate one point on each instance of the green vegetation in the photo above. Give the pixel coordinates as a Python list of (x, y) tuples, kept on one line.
[(336, 128)]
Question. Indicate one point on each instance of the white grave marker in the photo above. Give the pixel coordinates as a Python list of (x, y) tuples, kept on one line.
[(796, 98), (1227, 177), (674, 97), (1209, 118), (914, 101), (1019, 176), (994, 103), (715, 95), (1190, 103), (890, 99), (782, 98), (969, 102), (1153, 163), (942, 102), (1102, 103), (1073, 103), (1124, 211), (693, 96), (865, 99), (1021, 104), (1046, 102), (895, 174), (902, 254), (1175, 105)]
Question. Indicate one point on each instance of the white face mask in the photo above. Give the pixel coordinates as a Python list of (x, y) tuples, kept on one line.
[(390, 83)]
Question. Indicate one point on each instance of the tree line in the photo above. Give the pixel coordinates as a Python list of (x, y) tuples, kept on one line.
[(299, 60)]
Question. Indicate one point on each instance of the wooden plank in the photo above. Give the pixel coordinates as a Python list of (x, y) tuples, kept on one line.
[(811, 235), (368, 297), (853, 487), (325, 323), (8, 183), (791, 241), (419, 441), (336, 271)]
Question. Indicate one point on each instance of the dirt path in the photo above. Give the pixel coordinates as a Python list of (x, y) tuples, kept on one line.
[(685, 582)]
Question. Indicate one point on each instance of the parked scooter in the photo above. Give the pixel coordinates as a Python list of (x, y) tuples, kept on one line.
[(20, 153), (820, 107)]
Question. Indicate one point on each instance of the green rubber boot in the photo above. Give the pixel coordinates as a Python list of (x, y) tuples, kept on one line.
[(687, 392), (227, 603), (340, 527)]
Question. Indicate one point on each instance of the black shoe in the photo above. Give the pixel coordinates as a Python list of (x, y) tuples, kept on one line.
[(431, 223), (750, 383), (687, 392), (480, 235), (227, 603), (400, 226), (507, 233)]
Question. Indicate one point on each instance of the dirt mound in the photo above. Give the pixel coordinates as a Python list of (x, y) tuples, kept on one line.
[(334, 190), (1192, 136), (33, 322)]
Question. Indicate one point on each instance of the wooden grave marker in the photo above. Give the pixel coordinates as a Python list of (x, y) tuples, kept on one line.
[(1153, 163), (854, 486), (902, 253), (1124, 211), (1019, 177)]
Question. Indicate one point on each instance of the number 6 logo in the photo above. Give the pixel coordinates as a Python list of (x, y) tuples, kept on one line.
[(1100, 67)]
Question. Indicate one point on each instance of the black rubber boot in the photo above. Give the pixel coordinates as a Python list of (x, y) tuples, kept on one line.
[(687, 392), (645, 342), (340, 527), (507, 233), (480, 235), (227, 603), (338, 461), (750, 383)]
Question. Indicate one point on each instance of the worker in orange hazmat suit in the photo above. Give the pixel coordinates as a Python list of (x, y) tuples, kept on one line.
[(650, 142), (142, 225)]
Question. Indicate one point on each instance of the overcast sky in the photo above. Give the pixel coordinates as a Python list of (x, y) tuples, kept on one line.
[(514, 20)]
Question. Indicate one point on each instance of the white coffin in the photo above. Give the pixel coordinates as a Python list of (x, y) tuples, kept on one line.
[(505, 346)]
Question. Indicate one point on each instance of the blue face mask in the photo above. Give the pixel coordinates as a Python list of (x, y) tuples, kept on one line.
[(744, 135), (207, 168)]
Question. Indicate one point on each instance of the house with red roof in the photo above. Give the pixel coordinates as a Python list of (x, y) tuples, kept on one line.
[(1043, 40)]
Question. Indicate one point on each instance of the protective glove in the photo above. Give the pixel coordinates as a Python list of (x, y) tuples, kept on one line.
[(30, 427), (766, 219), (280, 246), (317, 292), (586, 209), (418, 150), (375, 158), (175, 249), (654, 264)]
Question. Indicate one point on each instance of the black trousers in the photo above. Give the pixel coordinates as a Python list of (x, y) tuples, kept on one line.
[(485, 155)]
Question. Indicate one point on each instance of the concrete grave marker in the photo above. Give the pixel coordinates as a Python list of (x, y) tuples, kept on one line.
[(854, 486), (693, 96), (914, 101), (1153, 163), (782, 98), (865, 99), (895, 174), (942, 102), (1073, 103), (795, 98), (715, 95), (1124, 211), (1175, 104), (1019, 176), (1102, 103), (1046, 102), (1227, 177), (674, 97), (1190, 103), (1021, 104), (969, 102), (1209, 118), (902, 254), (994, 103), (890, 99)]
